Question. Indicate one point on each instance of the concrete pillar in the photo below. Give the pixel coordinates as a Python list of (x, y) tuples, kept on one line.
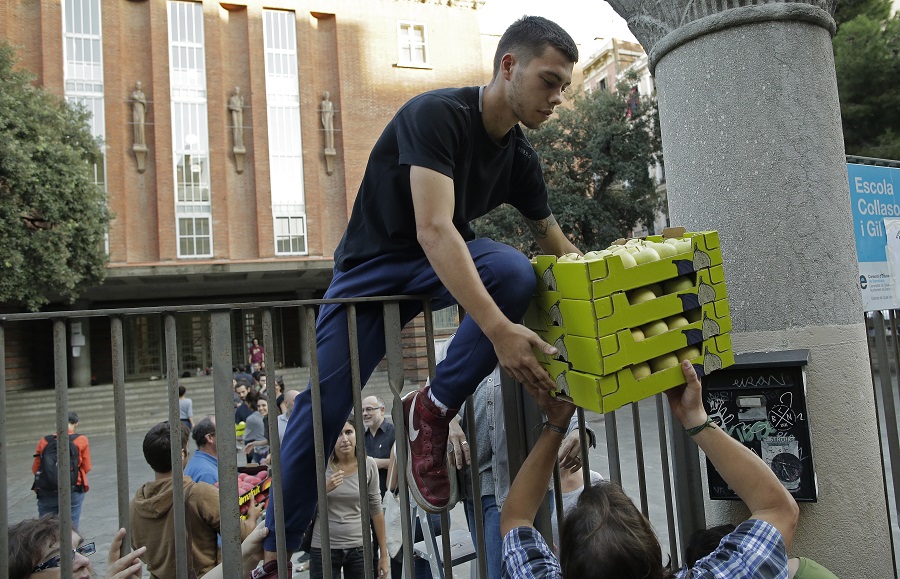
[(753, 147)]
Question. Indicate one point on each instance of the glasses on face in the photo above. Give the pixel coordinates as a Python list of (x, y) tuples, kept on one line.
[(87, 550), (371, 409)]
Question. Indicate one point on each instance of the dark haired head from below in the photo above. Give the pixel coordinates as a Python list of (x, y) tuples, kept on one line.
[(28, 540), (157, 449), (204, 427), (703, 542), (529, 36), (606, 536)]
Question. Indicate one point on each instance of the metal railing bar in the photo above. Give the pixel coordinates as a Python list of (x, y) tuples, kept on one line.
[(585, 447), (474, 475), (690, 509), (108, 312), (612, 447), (4, 459), (276, 497), (394, 355), (117, 340), (64, 493), (359, 427), (230, 524), (887, 401), (667, 478), (319, 442), (175, 426), (639, 458)]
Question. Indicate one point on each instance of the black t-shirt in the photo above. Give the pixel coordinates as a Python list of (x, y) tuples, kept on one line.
[(440, 130)]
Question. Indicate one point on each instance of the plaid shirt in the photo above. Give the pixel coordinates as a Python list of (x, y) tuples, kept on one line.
[(754, 550)]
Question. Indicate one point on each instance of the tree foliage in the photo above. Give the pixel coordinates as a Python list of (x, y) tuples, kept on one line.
[(596, 156), (867, 61), (53, 216)]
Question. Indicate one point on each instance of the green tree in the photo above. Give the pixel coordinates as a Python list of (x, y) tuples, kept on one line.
[(52, 215), (867, 62), (596, 156)]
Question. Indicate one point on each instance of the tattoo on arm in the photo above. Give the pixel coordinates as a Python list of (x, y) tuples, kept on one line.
[(541, 227)]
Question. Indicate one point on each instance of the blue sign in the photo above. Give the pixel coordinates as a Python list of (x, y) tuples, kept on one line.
[(874, 197)]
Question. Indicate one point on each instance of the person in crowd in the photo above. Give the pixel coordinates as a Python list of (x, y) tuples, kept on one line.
[(344, 516), (262, 384), (279, 395), (204, 465), (46, 485), (185, 408), (447, 157), (571, 483), (705, 541), (605, 534), (283, 418), (244, 410), (34, 552), (493, 459), (256, 443), (152, 512), (257, 355), (379, 436)]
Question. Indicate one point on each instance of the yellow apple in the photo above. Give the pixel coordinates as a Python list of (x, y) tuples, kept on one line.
[(627, 259), (640, 295), (641, 370), (595, 255), (664, 362), (679, 284), (570, 257), (637, 334), (688, 353), (654, 328), (646, 255), (675, 322), (664, 250)]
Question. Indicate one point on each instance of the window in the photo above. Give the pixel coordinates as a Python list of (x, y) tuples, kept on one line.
[(83, 67), (445, 319), (412, 41), (285, 145), (290, 235), (190, 130)]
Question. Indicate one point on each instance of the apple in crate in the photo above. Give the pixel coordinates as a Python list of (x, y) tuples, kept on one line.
[(663, 362), (654, 328)]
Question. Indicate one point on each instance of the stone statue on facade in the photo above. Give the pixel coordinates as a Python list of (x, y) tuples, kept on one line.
[(138, 119), (236, 106), (327, 111)]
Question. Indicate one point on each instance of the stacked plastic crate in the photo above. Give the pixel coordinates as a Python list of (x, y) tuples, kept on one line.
[(622, 323)]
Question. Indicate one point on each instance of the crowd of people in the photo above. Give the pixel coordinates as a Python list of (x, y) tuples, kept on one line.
[(447, 157)]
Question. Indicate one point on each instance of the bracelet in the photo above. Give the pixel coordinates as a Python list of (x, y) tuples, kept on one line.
[(554, 428), (710, 423)]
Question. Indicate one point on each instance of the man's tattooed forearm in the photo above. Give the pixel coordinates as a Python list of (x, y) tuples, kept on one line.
[(540, 227)]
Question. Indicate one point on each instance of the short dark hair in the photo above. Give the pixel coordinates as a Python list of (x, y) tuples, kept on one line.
[(157, 450), (201, 429), (605, 535), (254, 400), (529, 36), (703, 542), (73, 417), (242, 382), (27, 540), (181, 391)]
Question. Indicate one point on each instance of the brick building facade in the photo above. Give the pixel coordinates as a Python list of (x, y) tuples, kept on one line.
[(207, 211)]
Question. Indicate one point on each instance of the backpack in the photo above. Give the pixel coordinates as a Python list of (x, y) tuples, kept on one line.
[(46, 477)]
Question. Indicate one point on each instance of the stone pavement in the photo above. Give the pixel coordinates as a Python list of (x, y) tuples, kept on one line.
[(99, 518)]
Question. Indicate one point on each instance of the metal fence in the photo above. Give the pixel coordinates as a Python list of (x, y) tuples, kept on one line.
[(676, 477)]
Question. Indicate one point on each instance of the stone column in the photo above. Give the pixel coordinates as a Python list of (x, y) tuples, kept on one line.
[(753, 147)]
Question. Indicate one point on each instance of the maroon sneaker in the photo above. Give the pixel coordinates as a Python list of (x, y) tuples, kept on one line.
[(267, 571), (426, 432)]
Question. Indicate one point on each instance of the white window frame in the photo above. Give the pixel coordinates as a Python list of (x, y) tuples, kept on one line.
[(405, 41), (189, 111), (286, 170)]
